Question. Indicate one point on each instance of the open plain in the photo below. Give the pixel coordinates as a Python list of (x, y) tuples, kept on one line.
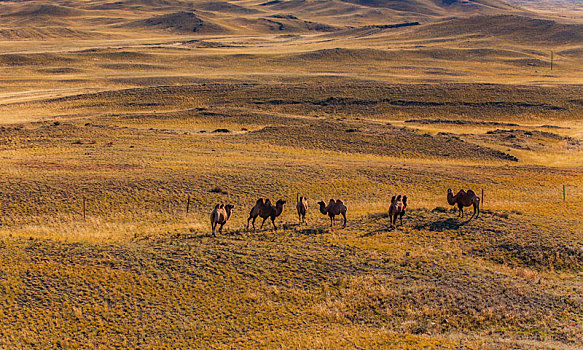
[(118, 115)]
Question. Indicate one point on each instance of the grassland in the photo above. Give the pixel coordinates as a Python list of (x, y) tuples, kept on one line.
[(117, 118)]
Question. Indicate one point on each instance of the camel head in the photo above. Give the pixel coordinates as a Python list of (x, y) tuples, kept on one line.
[(322, 207), (228, 209), (398, 198), (450, 198), (279, 206), (393, 199), (405, 201)]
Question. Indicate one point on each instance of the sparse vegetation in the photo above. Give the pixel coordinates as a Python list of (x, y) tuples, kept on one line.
[(117, 116)]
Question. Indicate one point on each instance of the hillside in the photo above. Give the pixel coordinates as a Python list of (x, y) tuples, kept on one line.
[(123, 123), (519, 29)]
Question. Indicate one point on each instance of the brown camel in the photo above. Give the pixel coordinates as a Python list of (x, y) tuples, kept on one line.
[(464, 199), (334, 208), (397, 209), (220, 214), (265, 210), (302, 207)]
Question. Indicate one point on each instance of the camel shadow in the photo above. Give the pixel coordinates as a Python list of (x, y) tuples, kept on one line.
[(443, 225), (380, 230), (237, 232), (311, 231)]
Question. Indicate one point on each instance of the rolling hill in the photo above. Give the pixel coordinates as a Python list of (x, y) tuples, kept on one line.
[(123, 123)]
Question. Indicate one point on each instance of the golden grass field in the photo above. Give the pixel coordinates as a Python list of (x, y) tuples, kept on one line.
[(115, 107)]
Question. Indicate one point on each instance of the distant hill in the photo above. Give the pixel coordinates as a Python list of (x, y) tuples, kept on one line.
[(24, 19), (181, 21), (412, 7), (549, 4), (510, 27)]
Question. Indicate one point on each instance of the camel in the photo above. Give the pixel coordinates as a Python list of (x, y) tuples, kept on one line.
[(464, 199), (220, 214), (265, 210), (397, 208), (302, 207), (334, 208)]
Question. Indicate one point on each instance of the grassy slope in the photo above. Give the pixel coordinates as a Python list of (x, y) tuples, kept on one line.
[(117, 117)]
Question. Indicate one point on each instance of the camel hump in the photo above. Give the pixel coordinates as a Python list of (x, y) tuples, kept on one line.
[(259, 202), (470, 192), (222, 206), (405, 199), (393, 199), (338, 201), (267, 202), (331, 202), (217, 206)]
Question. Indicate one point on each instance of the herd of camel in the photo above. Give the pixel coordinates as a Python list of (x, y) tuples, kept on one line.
[(264, 209)]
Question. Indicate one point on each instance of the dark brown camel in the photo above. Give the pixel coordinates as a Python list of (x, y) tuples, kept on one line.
[(219, 216), (302, 208), (464, 199), (397, 209), (265, 210), (334, 208)]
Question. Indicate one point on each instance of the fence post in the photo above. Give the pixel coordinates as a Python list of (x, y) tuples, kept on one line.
[(482, 197), (564, 195), (552, 58), (188, 204), (84, 212)]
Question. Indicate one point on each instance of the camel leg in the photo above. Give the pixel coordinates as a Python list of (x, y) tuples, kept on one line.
[(273, 222), (260, 227), (344, 216), (461, 208), (213, 225), (477, 209), (248, 223), (401, 218), (253, 223), (474, 214), (331, 221), (221, 229)]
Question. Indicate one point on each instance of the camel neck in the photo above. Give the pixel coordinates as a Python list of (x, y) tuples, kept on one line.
[(279, 209)]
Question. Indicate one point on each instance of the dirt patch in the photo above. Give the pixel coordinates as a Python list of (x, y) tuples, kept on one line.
[(459, 122)]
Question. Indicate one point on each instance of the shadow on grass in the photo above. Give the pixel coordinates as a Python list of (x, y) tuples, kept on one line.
[(312, 231), (442, 225), (238, 232), (380, 230)]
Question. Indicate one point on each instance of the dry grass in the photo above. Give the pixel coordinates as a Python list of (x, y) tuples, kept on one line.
[(122, 121)]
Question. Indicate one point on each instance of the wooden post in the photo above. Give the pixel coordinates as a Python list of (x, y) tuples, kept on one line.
[(482, 197), (552, 57), (84, 208), (564, 195), (188, 204)]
